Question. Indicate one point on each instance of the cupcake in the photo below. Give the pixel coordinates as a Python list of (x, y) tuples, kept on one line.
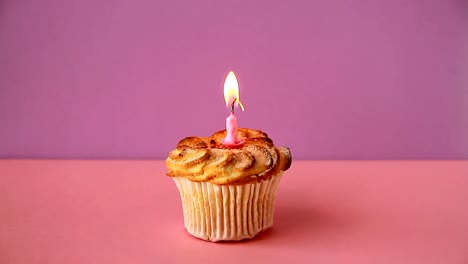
[(228, 193)]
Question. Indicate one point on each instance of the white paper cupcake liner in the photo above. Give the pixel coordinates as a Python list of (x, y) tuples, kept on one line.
[(227, 212)]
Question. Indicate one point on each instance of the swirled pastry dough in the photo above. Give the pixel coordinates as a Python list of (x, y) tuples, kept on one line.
[(206, 159)]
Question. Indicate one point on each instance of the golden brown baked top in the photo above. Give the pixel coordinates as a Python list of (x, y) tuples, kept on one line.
[(206, 159)]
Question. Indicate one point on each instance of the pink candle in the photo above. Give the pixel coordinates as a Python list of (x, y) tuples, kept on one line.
[(231, 96), (231, 131)]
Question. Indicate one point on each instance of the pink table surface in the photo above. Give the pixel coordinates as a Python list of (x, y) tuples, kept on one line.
[(54, 211)]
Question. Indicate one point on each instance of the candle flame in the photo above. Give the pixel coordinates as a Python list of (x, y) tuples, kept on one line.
[(231, 91)]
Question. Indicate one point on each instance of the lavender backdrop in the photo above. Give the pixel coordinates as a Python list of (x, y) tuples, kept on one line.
[(372, 79)]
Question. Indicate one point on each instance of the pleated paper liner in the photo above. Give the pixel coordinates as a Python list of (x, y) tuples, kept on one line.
[(227, 212)]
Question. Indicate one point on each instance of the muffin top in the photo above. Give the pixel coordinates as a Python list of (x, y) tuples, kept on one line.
[(206, 159)]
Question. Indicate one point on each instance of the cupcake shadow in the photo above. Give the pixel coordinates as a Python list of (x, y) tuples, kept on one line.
[(299, 224)]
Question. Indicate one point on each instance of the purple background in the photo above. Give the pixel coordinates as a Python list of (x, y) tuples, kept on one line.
[(332, 79)]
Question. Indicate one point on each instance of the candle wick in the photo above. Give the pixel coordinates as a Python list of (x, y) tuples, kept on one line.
[(232, 105)]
